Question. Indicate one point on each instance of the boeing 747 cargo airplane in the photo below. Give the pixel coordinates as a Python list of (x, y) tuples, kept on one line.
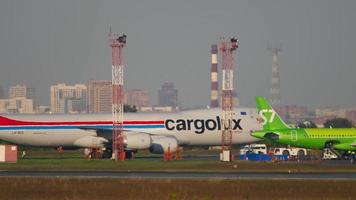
[(155, 132)]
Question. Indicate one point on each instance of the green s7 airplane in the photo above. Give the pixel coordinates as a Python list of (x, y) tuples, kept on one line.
[(274, 129)]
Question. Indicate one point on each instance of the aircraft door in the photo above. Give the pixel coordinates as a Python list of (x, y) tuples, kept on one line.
[(293, 135)]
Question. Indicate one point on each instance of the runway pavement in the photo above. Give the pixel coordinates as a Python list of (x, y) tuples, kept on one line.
[(184, 175)]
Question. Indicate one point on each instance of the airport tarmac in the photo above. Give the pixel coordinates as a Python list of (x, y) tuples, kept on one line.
[(184, 175), (210, 157)]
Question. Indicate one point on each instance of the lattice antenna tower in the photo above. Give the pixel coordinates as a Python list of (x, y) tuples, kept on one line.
[(117, 43), (227, 49)]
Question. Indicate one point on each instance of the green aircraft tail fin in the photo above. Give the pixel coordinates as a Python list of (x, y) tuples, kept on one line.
[(271, 119)]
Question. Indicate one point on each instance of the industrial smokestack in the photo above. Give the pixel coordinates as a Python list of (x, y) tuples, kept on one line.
[(214, 77)]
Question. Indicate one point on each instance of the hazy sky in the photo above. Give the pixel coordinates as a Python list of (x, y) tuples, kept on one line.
[(43, 42)]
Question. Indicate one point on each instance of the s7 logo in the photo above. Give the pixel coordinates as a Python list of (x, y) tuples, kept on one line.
[(267, 118)]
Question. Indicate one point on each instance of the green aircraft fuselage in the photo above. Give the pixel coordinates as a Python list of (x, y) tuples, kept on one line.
[(276, 130), (313, 138)]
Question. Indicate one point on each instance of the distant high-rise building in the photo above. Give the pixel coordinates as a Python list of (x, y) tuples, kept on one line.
[(138, 98), (100, 96), (168, 95), (62, 95), (2, 93), (76, 105), (351, 115), (330, 111), (22, 91), (293, 113), (16, 105)]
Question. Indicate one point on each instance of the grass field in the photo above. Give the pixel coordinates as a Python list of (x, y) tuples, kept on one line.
[(74, 161), (106, 189)]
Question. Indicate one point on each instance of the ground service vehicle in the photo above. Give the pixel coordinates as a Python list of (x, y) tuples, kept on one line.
[(254, 148), (291, 151)]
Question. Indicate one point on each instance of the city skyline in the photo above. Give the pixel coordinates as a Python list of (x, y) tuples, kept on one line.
[(48, 42), (95, 97), (147, 100), (92, 97)]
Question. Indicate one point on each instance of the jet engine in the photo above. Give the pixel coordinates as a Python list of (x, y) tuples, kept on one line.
[(90, 142), (137, 140), (160, 144)]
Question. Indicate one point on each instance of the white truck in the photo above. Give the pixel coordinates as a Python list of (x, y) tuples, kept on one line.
[(291, 151), (254, 148)]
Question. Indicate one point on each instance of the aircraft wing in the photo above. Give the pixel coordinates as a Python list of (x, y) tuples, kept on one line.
[(137, 140), (107, 132), (132, 139), (97, 129)]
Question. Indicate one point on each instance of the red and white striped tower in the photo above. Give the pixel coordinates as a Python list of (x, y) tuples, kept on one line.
[(214, 77), (117, 44), (227, 49)]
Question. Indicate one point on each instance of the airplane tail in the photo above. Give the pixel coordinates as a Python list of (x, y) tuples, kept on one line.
[(271, 119)]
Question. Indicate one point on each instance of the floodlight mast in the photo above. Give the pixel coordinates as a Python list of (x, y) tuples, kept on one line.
[(227, 49), (117, 44)]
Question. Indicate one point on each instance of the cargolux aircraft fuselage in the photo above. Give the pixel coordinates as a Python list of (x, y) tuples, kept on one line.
[(154, 131)]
